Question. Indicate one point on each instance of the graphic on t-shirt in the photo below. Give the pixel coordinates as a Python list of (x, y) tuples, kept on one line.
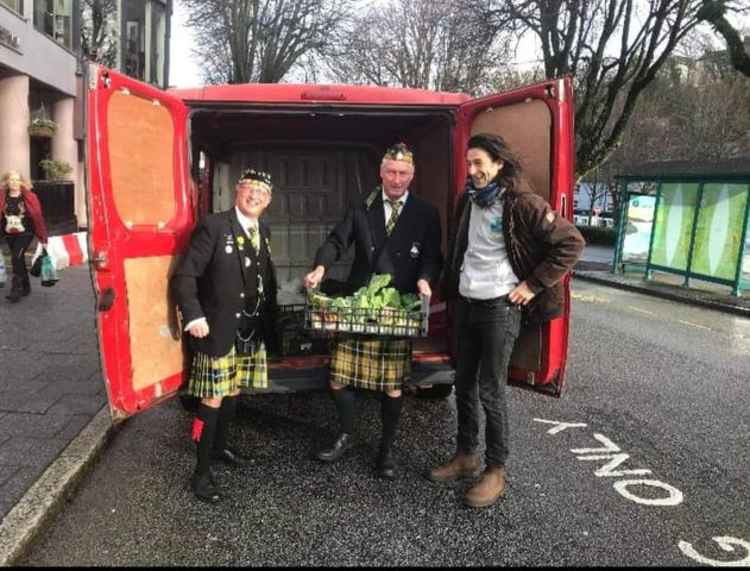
[(496, 225), (15, 212)]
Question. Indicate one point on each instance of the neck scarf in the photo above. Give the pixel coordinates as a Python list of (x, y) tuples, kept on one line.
[(485, 197)]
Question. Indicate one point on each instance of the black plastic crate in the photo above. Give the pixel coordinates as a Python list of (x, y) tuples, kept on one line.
[(385, 322)]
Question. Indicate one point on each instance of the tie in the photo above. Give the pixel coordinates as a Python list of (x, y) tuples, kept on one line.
[(252, 231), (395, 211)]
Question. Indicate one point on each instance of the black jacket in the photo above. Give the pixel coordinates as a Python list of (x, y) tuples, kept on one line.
[(412, 252), (210, 282)]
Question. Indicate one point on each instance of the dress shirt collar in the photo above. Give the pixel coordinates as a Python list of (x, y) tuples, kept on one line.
[(245, 221), (402, 200)]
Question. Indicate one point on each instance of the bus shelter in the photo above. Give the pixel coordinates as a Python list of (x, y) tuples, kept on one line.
[(689, 219)]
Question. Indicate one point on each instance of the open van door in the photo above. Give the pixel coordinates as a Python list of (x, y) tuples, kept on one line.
[(537, 124), (140, 218)]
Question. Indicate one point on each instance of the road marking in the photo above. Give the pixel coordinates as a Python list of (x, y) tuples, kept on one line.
[(590, 298), (693, 324), (726, 543), (639, 310), (612, 452)]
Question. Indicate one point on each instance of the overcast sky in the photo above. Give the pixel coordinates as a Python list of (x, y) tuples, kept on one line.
[(184, 71)]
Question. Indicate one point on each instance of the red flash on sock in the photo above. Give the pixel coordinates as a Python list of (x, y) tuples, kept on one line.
[(197, 429)]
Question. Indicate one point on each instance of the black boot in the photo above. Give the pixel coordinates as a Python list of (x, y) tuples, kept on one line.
[(344, 400), (15, 290), (390, 410), (221, 451), (204, 433), (25, 286)]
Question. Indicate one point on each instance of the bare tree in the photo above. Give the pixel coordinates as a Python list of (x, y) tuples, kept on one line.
[(240, 41), (429, 44), (612, 48), (713, 11), (99, 35)]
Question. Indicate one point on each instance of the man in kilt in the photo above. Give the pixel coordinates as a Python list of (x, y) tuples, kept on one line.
[(395, 233), (225, 289)]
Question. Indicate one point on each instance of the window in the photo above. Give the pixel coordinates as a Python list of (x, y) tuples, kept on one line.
[(55, 19), (15, 5)]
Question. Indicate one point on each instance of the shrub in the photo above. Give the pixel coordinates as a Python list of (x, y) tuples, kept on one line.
[(55, 170), (599, 235)]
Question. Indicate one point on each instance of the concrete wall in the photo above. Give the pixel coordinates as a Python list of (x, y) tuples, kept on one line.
[(14, 124)]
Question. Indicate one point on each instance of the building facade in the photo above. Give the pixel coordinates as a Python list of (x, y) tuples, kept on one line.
[(41, 83)]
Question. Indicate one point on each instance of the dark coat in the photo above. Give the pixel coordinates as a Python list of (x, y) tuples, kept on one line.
[(210, 282), (411, 253), (542, 247)]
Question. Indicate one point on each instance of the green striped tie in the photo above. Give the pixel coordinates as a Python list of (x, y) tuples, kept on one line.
[(395, 211), (254, 238)]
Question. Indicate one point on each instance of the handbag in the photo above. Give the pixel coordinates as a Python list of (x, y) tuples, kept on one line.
[(36, 264), (49, 272)]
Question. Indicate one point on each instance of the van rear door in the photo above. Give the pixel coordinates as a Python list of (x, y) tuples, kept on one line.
[(537, 123), (140, 218)]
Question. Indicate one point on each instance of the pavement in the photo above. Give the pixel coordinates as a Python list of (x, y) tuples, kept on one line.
[(54, 421)]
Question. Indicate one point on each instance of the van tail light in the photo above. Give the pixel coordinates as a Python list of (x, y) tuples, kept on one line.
[(323, 94)]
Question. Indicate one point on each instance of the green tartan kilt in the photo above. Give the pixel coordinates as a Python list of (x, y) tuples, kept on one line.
[(372, 364), (212, 377)]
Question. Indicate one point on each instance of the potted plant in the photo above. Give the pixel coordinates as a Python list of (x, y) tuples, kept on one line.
[(42, 127), (55, 170)]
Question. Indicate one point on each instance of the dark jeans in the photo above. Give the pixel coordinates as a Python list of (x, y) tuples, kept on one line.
[(18, 246), (487, 331)]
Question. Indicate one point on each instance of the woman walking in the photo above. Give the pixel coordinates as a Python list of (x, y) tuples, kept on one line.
[(20, 220)]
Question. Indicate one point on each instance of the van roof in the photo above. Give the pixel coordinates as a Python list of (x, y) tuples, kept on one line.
[(317, 93)]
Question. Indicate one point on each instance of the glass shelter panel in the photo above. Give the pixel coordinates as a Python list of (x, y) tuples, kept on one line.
[(639, 223), (674, 223), (745, 275), (718, 233)]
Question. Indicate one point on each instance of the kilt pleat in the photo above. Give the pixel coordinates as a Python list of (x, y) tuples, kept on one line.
[(372, 364), (212, 377)]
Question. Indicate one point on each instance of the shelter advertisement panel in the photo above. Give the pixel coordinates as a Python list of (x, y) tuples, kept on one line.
[(718, 233), (674, 222)]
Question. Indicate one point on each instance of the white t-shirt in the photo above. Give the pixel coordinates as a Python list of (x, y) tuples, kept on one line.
[(486, 272)]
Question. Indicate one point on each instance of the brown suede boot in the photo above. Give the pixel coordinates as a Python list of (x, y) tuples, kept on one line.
[(489, 488), (460, 466)]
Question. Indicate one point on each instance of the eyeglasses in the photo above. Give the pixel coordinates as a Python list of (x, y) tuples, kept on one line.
[(252, 189)]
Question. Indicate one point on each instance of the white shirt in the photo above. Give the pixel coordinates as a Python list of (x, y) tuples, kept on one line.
[(387, 205), (246, 223), (486, 272)]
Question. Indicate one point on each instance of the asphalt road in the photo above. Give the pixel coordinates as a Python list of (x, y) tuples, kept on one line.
[(651, 464)]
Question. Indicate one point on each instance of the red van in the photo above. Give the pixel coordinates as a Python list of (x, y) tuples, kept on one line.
[(159, 160)]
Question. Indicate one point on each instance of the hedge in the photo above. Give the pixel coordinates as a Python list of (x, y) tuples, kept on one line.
[(599, 235)]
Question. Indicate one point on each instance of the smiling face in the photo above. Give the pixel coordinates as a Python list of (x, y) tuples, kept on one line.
[(481, 168), (252, 198), (396, 177), (12, 181)]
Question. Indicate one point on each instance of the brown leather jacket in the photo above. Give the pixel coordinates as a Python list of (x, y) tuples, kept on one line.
[(542, 247)]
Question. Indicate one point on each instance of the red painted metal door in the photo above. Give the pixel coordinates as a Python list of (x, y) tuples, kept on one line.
[(537, 123), (140, 217)]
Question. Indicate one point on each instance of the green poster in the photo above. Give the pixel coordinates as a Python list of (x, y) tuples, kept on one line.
[(746, 257), (674, 222), (718, 235)]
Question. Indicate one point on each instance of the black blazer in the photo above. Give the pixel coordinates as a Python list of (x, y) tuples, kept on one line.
[(412, 252), (210, 282)]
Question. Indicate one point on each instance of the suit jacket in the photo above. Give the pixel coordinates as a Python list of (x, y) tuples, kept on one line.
[(210, 282), (412, 252)]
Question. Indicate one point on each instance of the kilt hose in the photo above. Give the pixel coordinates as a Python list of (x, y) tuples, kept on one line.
[(212, 377), (372, 364)]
